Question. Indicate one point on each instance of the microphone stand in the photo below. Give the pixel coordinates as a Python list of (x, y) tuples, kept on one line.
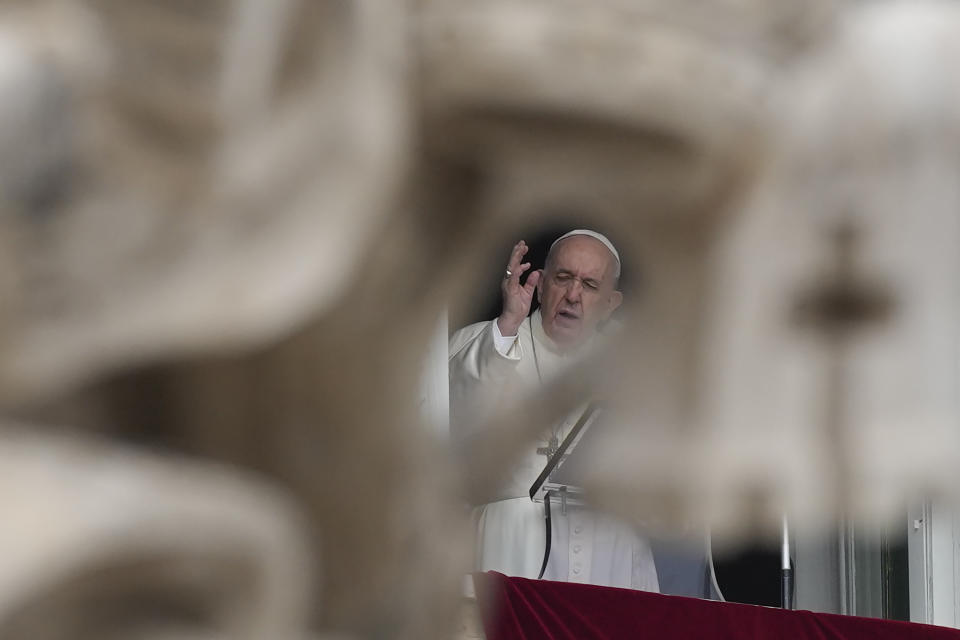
[(786, 570)]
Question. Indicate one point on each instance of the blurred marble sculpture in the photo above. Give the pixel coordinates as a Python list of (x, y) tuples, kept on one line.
[(825, 370), (107, 543), (227, 229)]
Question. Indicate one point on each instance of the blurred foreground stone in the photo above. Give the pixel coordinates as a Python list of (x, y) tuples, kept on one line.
[(227, 230)]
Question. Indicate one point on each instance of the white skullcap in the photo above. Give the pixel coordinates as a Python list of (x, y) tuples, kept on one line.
[(596, 236)]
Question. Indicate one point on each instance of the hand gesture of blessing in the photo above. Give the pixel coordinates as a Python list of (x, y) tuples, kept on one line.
[(517, 297)]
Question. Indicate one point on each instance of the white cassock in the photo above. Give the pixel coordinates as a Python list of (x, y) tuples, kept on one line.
[(486, 371)]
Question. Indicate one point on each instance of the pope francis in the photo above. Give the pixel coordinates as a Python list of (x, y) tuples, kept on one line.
[(491, 361)]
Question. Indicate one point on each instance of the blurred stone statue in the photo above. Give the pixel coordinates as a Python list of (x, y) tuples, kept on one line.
[(227, 229)]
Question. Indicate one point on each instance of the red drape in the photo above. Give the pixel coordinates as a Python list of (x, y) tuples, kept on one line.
[(522, 609)]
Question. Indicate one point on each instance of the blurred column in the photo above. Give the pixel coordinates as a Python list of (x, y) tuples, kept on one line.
[(434, 400)]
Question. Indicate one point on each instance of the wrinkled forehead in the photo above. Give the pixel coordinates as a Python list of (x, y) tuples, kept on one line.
[(582, 254)]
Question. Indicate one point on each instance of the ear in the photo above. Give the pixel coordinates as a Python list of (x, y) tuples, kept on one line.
[(540, 288), (616, 299)]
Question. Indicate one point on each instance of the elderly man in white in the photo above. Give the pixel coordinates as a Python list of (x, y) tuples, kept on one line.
[(492, 361)]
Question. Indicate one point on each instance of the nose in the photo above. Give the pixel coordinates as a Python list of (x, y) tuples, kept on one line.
[(574, 289)]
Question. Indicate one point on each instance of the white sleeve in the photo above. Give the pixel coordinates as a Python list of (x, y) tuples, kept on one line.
[(502, 343)]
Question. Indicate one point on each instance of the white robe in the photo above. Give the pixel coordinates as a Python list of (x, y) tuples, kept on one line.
[(587, 547)]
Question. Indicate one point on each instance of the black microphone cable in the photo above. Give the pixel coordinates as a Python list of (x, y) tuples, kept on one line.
[(548, 522)]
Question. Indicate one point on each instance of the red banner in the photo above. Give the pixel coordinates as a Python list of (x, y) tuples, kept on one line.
[(522, 609)]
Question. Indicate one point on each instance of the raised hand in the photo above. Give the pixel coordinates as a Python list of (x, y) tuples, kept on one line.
[(517, 297)]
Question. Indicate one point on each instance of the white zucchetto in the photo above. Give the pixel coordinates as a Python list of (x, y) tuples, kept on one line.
[(597, 236)]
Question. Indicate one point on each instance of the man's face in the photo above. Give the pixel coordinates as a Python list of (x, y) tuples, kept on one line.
[(576, 292)]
